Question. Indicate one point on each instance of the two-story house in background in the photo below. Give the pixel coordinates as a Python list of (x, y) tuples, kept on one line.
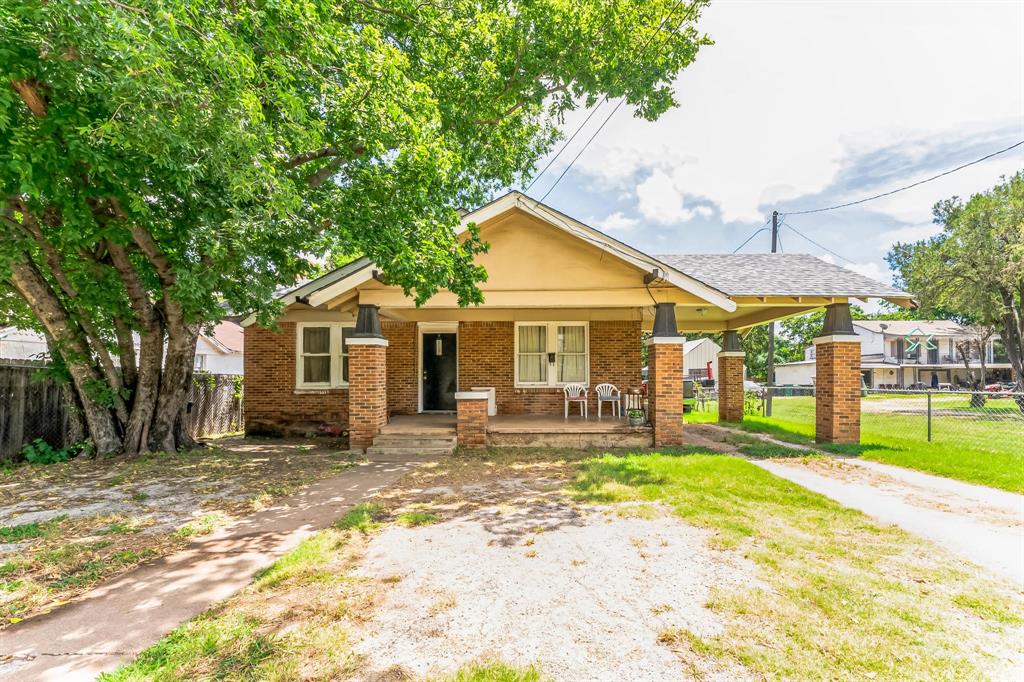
[(906, 353)]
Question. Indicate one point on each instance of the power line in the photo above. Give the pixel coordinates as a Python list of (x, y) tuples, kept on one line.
[(582, 149), (756, 232), (900, 189), (820, 246), (567, 143), (689, 15)]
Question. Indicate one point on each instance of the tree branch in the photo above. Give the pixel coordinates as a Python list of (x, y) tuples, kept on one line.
[(28, 89)]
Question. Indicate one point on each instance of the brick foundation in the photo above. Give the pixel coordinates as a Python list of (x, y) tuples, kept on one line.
[(730, 386), (368, 400), (471, 424), (665, 390), (837, 391)]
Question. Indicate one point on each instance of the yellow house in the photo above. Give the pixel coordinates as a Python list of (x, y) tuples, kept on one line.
[(560, 327)]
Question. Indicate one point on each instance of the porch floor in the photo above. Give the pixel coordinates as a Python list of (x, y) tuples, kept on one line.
[(533, 430)]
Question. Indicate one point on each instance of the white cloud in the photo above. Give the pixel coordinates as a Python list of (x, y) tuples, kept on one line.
[(660, 199), (764, 124), (910, 233), (616, 221)]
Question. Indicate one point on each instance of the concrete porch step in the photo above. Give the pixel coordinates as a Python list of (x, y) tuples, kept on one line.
[(393, 440), (403, 454)]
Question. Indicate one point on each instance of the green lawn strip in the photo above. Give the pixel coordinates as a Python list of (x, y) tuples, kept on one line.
[(985, 451), (841, 597)]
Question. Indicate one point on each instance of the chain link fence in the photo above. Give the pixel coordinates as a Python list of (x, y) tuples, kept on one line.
[(978, 420), (34, 406)]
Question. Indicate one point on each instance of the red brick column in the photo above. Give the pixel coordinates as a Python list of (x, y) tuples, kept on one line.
[(471, 425), (665, 388), (837, 389), (730, 386), (367, 390)]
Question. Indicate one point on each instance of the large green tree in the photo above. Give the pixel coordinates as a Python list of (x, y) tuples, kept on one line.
[(164, 160), (975, 266)]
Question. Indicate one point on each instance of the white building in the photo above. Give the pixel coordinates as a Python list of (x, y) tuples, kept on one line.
[(700, 359), (905, 354), (217, 353)]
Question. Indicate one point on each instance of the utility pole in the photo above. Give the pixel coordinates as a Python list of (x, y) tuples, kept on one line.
[(771, 328)]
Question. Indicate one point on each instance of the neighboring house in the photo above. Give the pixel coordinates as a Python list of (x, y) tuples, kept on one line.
[(218, 353), (221, 351), (700, 359), (905, 354), (22, 344), (563, 303)]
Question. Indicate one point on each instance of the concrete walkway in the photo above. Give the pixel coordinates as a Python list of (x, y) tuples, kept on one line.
[(121, 618), (981, 524)]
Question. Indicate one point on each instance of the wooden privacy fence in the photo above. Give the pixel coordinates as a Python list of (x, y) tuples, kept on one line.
[(34, 406), (214, 405)]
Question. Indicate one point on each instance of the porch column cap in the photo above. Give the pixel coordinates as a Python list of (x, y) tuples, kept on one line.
[(366, 341), (837, 338), (732, 354), (471, 395), (669, 340)]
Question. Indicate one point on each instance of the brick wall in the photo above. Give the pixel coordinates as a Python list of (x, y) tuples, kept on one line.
[(403, 386), (471, 423), (486, 359), (730, 388), (272, 405), (368, 409), (837, 391), (665, 382)]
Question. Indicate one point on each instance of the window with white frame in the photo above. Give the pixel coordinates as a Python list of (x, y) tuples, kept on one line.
[(537, 342), (321, 354)]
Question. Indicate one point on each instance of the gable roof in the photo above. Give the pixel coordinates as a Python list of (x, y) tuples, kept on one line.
[(711, 277), (778, 274)]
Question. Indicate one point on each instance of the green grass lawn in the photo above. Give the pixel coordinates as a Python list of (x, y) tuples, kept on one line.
[(835, 595), (985, 447)]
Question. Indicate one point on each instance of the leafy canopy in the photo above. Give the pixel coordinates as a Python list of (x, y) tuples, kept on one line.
[(254, 140)]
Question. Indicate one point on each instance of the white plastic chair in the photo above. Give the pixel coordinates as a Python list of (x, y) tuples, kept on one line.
[(576, 393), (607, 393)]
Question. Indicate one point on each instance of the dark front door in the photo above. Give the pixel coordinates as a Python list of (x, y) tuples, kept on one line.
[(439, 371)]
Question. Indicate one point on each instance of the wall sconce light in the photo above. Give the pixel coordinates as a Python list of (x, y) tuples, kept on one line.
[(437, 346), (551, 358)]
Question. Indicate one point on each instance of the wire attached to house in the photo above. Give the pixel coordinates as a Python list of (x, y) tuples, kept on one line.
[(820, 246), (567, 143), (901, 189), (688, 16)]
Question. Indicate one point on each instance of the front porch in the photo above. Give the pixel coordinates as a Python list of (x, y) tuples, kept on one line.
[(533, 430)]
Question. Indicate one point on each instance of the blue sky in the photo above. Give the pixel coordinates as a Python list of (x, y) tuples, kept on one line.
[(806, 104)]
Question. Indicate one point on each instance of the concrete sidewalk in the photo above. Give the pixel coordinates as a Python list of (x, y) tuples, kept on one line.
[(121, 618), (982, 524)]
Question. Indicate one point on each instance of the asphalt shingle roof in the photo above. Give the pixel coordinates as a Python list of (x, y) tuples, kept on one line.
[(777, 274)]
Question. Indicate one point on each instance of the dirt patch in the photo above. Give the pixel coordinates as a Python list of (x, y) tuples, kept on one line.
[(67, 527), (516, 571)]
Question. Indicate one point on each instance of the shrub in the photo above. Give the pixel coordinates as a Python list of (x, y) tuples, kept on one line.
[(41, 452)]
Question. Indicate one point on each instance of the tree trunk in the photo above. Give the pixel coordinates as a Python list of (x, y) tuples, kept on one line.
[(47, 306), (181, 351), (151, 353)]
